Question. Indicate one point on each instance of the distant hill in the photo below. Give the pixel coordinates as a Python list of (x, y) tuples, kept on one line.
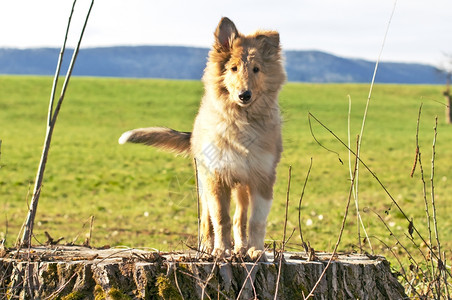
[(188, 63)]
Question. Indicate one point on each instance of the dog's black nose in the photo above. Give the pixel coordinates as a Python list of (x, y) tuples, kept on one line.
[(245, 96)]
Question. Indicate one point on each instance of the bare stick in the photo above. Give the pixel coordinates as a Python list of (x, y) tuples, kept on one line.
[(61, 288), (287, 207), (414, 228), (320, 144), (403, 274), (3, 241), (250, 272), (299, 206), (57, 71), (435, 224), (52, 117), (417, 142), (359, 220), (211, 275), (311, 293), (88, 240), (197, 203), (203, 283), (281, 255), (418, 157), (380, 183), (370, 94), (177, 283), (446, 287), (432, 177), (28, 225), (351, 172), (361, 134), (410, 257)]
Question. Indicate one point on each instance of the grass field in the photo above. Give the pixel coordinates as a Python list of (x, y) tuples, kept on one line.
[(142, 197)]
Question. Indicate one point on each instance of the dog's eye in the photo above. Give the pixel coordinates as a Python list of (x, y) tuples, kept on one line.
[(234, 69), (255, 69)]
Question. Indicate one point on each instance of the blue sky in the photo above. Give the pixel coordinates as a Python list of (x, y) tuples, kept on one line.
[(420, 31)]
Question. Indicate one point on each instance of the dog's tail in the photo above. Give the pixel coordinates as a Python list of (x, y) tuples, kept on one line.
[(160, 137)]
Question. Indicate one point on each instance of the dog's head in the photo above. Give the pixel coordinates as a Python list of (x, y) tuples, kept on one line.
[(245, 67)]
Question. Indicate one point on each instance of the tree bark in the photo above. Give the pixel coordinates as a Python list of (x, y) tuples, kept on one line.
[(121, 274)]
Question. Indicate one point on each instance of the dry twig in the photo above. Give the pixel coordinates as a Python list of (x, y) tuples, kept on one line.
[(359, 220), (361, 134), (384, 189), (311, 293), (417, 142), (52, 117), (299, 206), (281, 255), (197, 203)]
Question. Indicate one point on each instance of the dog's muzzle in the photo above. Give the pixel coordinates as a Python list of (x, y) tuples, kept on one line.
[(245, 97)]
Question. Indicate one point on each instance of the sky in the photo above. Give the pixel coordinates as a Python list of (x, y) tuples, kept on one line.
[(420, 31)]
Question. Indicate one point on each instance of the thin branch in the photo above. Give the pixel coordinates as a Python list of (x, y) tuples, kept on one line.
[(381, 185), (250, 272), (403, 274), (287, 207), (311, 293), (209, 278), (424, 188), (417, 142), (299, 206), (410, 257), (359, 220), (435, 224), (197, 203), (5, 237), (320, 144), (87, 242), (71, 67), (204, 283), (281, 255), (351, 171), (371, 89), (29, 223), (432, 178), (361, 134), (446, 287), (61, 288), (177, 283), (58, 68), (200, 282)]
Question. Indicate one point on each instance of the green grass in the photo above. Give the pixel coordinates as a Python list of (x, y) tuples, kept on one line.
[(142, 197)]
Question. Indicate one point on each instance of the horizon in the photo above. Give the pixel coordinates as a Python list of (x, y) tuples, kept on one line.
[(208, 48)]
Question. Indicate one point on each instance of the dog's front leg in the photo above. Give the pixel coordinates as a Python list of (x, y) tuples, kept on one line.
[(207, 235), (260, 208), (218, 197), (240, 218)]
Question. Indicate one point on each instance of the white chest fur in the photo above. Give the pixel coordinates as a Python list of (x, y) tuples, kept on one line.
[(235, 157)]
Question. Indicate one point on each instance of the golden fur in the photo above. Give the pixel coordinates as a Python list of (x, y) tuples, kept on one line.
[(236, 138)]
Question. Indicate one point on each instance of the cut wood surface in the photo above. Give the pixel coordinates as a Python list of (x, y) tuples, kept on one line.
[(70, 272)]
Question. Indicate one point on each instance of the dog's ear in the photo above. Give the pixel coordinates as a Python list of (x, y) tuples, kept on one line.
[(270, 40), (225, 34)]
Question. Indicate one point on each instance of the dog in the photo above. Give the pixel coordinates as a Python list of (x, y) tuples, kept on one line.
[(236, 139)]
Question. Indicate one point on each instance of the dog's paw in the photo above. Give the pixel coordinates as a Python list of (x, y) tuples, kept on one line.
[(221, 253), (241, 251), (257, 255)]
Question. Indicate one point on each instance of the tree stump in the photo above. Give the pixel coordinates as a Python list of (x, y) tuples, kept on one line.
[(70, 272)]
